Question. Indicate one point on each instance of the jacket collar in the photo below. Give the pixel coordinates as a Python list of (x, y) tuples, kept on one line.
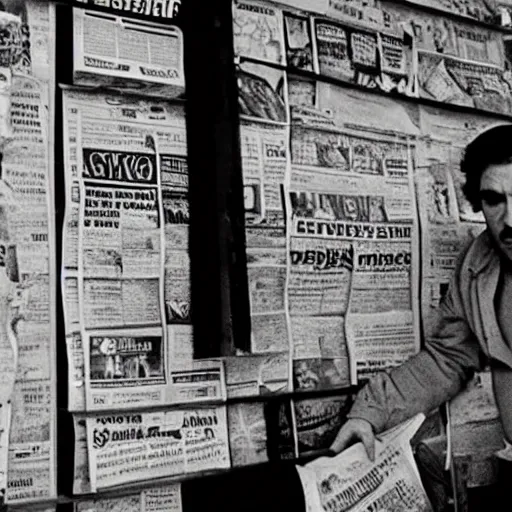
[(481, 253)]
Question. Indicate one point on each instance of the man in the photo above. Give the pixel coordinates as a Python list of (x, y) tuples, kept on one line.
[(475, 324)]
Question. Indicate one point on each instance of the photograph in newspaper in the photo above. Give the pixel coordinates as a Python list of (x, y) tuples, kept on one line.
[(257, 374), (116, 360), (351, 481), (247, 433), (319, 421), (127, 54), (262, 92), (132, 447), (298, 42), (258, 31)]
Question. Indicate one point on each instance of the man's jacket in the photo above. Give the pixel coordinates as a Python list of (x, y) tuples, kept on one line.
[(468, 336)]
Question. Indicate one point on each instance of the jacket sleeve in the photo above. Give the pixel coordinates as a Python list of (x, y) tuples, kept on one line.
[(428, 379)]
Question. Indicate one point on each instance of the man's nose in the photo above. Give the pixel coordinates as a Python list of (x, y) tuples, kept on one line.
[(508, 213)]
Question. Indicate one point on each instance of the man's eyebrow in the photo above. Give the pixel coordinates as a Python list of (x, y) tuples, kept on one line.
[(491, 191)]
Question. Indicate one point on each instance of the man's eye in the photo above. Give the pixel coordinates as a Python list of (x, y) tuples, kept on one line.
[(492, 198)]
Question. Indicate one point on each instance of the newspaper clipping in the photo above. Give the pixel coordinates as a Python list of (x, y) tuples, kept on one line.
[(130, 447), (448, 223), (351, 481), (155, 499), (265, 160), (128, 54), (247, 433), (258, 31), (353, 262), (125, 255), (27, 341), (167, 9)]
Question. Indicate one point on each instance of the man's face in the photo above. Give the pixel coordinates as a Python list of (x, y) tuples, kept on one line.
[(496, 194)]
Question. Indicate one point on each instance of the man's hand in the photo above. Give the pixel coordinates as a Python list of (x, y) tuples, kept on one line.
[(355, 429)]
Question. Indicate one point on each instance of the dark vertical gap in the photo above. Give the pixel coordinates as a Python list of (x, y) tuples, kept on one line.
[(214, 159), (65, 436), (241, 320), (204, 240)]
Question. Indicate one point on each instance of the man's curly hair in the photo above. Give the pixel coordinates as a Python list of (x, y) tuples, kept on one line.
[(491, 147)]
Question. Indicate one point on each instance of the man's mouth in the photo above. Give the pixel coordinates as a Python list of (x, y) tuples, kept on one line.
[(506, 237)]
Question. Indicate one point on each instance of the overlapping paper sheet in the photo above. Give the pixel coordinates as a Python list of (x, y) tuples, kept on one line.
[(127, 53), (27, 254), (126, 267), (351, 481)]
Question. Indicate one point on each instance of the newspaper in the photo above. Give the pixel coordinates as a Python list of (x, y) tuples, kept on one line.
[(446, 35), (448, 223), (475, 9), (317, 6), (365, 13), (131, 447), (128, 54), (262, 93), (265, 161), (318, 422), (258, 31), (5, 423), (301, 91), (351, 481), (31, 466), (373, 60), (282, 442), (460, 82), (353, 262), (126, 267), (332, 44), (155, 499), (257, 374), (52, 508), (298, 41), (81, 475), (247, 434), (27, 254), (167, 9)]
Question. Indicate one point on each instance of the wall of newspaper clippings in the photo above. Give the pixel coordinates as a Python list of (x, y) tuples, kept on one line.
[(352, 118), (354, 211)]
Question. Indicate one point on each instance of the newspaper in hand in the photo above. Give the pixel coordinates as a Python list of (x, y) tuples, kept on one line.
[(351, 481)]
